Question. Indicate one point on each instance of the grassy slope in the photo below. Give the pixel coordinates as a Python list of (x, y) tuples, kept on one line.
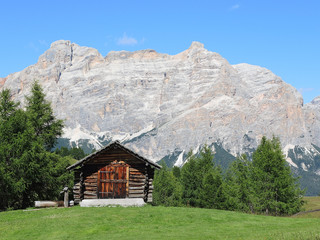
[(312, 203), (151, 223)]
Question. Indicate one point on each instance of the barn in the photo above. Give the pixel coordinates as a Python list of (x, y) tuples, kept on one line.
[(114, 172)]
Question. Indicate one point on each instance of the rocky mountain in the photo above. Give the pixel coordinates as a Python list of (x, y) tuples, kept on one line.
[(162, 105)]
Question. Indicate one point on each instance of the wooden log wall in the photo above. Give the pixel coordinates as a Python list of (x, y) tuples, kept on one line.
[(150, 184), (91, 186), (76, 187), (137, 181)]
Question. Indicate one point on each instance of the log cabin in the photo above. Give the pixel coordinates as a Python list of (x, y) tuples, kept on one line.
[(114, 172)]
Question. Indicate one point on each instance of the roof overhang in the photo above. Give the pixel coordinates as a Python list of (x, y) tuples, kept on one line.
[(106, 148)]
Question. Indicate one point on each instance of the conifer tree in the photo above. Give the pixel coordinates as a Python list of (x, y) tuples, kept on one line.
[(14, 139), (190, 180), (7, 106), (41, 117), (176, 172), (202, 181), (277, 190), (212, 192), (239, 185), (27, 171), (167, 189)]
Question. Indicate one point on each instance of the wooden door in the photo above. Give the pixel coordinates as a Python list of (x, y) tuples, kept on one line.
[(113, 180)]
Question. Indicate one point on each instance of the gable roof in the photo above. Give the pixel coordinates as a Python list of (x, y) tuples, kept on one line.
[(110, 146)]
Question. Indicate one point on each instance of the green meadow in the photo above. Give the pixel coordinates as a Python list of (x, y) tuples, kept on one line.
[(151, 222)]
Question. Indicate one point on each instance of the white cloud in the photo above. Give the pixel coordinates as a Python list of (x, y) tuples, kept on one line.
[(234, 7), (125, 40)]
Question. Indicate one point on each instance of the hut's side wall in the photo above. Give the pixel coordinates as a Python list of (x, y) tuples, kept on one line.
[(150, 182), (90, 185), (137, 180), (76, 187), (140, 176)]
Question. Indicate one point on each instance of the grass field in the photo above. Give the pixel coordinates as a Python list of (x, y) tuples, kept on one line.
[(154, 223), (312, 203)]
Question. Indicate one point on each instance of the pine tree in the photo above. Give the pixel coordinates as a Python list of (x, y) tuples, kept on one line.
[(202, 181), (27, 171), (191, 181), (7, 106), (276, 188), (14, 139), (211, 192), (176, 171), (46, 126), (167, 189), (239, 185)]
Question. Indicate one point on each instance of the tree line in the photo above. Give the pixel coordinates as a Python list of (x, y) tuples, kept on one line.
[(264, 185), (29, 171)]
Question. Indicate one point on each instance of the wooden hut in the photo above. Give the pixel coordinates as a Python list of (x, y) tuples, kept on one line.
[(113, 172)]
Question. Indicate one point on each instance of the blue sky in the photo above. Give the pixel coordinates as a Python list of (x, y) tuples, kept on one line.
[(283, 36)]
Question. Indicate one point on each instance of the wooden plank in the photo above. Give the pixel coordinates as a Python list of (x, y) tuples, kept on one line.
[(136, 195), (141, 181), (81, 184), (136, 173), (107, 161), (136, 188), (127, 178), (93, 189), (133, 169), (98, 182), (113, 181), (89, 197), (137, 167), (91, 185), (91, 193), (137, 176), (136, 181), (91, 180), (135, 191), (92, 176), (136, 184)]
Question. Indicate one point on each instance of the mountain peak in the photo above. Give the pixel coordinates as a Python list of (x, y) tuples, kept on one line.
[(316, 100), (196, 44), (60, 43)]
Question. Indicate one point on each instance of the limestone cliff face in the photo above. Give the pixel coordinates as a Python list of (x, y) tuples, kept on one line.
[(159, 104)]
